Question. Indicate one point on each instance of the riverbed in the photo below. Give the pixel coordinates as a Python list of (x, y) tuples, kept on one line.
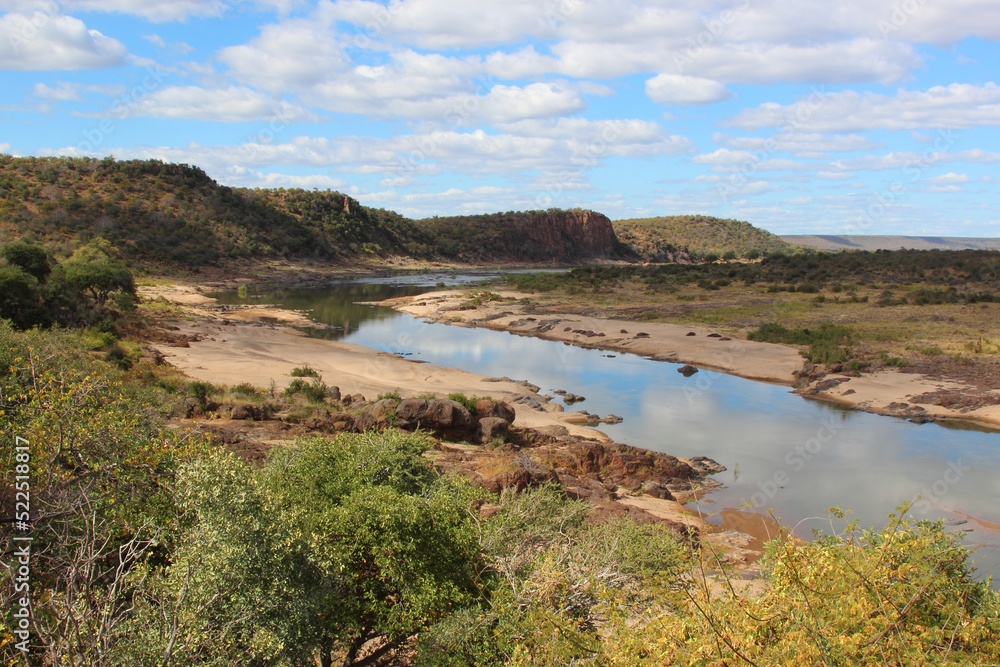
[(794, 456)]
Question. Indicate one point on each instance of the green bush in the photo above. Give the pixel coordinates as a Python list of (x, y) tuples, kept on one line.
[(469, 402), (828, 343), (201, 391), (314, 391), (304, 372)]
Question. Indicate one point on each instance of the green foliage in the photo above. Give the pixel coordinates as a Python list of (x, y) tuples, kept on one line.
[(304, 372), (393, 395), (333, 544), (314, 391), (701, 235), (468, 402), (33, 260), (102, 468), (246, 389), (201, 391), (828, 343)]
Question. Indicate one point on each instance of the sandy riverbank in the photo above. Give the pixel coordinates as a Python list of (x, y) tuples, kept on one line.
[(886, 392)]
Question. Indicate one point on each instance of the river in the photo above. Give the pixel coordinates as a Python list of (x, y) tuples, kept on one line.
[(795, 456)]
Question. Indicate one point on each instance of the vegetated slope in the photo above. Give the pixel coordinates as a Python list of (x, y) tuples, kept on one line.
[(700, 235), (551, 235), (877, 242), (161, 213), (157, 213)]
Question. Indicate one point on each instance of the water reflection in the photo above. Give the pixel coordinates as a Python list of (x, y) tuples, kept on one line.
[(797, 456)]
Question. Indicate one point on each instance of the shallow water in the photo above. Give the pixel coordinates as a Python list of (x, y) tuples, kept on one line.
[(796, 456)]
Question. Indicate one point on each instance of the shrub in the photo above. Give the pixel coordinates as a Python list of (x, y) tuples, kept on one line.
[(304, 371), (246, 389), (468, 401), (315, 391), (201, 391), (394, 395)]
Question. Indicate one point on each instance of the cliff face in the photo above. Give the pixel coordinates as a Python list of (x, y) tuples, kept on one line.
[(565, 235), (537, 236)]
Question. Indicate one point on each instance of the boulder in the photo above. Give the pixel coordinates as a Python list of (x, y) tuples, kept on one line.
[(378, 416), (489, 408), (493, 428)]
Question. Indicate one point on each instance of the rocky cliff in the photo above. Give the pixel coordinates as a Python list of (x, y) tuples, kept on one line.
[(551, 236)]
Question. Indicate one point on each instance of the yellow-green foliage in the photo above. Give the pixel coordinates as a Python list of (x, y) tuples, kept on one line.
[(899, 596), (99, 476), (700, 234)]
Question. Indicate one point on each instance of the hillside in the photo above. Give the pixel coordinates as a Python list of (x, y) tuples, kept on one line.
[(700, 235), (175, 215), (158, 213), (874, 242), (552, 235)]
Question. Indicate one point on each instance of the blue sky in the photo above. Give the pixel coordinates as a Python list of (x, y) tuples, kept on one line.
[(860, 116)]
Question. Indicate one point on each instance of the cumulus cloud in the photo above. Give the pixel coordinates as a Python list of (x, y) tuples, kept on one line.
[(903, 160), (152, 10), (956, 106), (802, 144), (685, 90), (228, 105), (52, 42)]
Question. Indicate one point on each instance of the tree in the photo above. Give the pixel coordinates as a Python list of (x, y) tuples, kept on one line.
[(348, 547), (34, 260), (19, 299), (94, 272)]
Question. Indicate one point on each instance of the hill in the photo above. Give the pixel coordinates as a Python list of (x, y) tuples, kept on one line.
[(163, 214), (160, 213), (700, 235), (874, 242)]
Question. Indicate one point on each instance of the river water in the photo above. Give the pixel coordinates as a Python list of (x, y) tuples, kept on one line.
[(795, 456)]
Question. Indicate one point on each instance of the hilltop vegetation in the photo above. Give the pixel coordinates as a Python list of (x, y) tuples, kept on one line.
[(174, 214), (702, 235)]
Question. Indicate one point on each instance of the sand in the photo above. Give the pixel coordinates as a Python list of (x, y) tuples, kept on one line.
[(886, 392), (230, 352), (664, 342)]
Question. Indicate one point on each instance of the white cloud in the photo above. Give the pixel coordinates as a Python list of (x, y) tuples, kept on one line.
[(153, 10), (182, 48), (916, 160), (51, 42), (951, 178), (956, 106), (63, 91), (802, 144), (227, 105), (685, 90), (292, 55), (4, 147)]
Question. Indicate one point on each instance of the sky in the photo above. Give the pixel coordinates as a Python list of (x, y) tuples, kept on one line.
[(801, 117)]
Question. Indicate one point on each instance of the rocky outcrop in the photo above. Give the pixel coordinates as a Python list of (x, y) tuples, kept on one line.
[(552, 236), (446, 419)]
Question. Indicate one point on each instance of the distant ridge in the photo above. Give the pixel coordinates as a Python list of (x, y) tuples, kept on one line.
[(875, 242)]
